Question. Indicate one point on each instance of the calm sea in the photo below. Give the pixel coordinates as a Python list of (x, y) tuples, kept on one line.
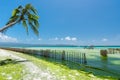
[(69, 47)]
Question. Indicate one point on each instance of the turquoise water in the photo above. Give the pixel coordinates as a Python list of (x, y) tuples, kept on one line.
[(55, 47), (112, 63), (93, 56)]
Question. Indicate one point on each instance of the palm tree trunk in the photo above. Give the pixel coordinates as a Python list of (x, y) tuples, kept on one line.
[(7, 26)]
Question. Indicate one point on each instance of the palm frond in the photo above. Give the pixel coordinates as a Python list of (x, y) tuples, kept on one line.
[(34, 29), (12, 19), (27, 16), (20, 7), (36, 23), (28, 6), (33, 10), (25, 25), (15, 12), (35, 16)]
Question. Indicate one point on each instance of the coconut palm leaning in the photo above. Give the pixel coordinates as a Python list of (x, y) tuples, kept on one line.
[(26, 15)]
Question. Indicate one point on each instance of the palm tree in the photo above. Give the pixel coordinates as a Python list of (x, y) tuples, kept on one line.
[(26, 15)]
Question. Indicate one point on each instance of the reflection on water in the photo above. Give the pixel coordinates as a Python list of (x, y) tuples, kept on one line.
[(104, 62)]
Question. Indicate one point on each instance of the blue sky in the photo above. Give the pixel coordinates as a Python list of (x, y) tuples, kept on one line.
[(79, 22)]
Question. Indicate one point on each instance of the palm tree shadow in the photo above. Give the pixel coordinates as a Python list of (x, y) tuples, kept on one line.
[(11, 61)]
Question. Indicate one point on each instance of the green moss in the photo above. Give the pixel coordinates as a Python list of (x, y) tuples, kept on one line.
[(64, 71), (11, 71)]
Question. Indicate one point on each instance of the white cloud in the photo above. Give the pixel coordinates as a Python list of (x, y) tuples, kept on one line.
[(61, 39), (104, 39), (56, 38), (74, 39), (39, 39), (70, 38), (5, 38), (67, 38)]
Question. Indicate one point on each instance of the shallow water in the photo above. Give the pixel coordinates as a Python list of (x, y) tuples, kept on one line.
[(94, 59)]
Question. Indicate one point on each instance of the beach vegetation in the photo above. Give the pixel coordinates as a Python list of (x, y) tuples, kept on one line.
[(95, 69), (9, 70)]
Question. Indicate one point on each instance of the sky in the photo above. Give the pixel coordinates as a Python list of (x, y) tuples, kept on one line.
[(76, 22)]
